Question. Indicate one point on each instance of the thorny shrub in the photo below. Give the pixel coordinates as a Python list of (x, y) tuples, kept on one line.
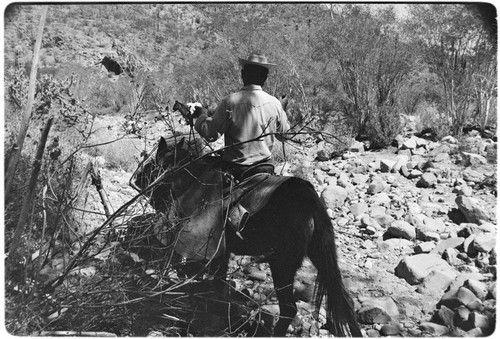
[(430, 117)]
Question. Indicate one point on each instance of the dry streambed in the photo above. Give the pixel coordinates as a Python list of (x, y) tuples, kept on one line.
[(416, 235)]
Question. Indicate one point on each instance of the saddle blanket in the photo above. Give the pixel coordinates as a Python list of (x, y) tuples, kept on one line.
[(203, 210)]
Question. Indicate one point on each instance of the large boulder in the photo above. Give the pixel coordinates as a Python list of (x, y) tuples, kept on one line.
[(358, 209), (357, 147), (410, 144), (401, 229), (471, 175), (415, 268), (377, 186), (472, 209), (473, 160), (386, 165), (334, 196), (378, 310), (427, 180)]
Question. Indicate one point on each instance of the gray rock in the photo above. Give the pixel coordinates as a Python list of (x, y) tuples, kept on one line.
[(473, 160), (433, 225), (377, 210), (433, 328), (377, 186), (386, 165), (475, 332), (415, 173), (449, 139), (491, 153), (444, 316), (391, 329), (427, 180), (451, 256), (405, 153), (400, 140), (380, 199), (464, 190), (468, 245), (401, 161), (373, 315), (334, 196), (372, 333), (401, 229), (343, 180), (462, 314), (367, 221), (394, 243), (303, 291), (405, 171), (477, 287), (456, 297), (415, 268), (484, 242), (384, 220), (442, 158), (468, 229), (410, 144), (472, 209), (413, 208), (359, 179), (416, 220), (470, 175), (481, 321), (453, 242), (357, 147), (359, 208), (418, 151), (378, 310), (437, 281), (487, 227), (322, 155), (425, 247), (428, 236)]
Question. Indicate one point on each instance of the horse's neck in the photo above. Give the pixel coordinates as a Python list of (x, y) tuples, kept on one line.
[(183, 109), (189, 175)]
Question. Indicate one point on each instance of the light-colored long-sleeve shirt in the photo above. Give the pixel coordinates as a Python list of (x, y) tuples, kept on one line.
[(243, 116)]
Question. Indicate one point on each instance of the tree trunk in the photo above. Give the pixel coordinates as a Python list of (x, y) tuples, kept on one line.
[(37, 164), (14, 159)]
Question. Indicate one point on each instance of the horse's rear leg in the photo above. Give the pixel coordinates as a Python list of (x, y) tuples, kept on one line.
[(283, 272)]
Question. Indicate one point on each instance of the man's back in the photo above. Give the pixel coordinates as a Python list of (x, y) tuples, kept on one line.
[(243, 116), (247, 118), (253, 113)]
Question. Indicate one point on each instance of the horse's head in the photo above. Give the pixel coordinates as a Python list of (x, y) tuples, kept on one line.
[(164, 162)]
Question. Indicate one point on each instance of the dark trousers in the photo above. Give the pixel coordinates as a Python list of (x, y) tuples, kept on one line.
[(241, 172)]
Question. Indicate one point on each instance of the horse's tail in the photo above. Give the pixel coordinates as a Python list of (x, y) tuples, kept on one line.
[(341, 316)]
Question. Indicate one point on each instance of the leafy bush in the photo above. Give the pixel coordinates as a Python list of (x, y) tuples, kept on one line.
[(382, 127), (431, 118)]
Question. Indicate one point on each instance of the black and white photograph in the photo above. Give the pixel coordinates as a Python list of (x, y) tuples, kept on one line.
[(249, 169)]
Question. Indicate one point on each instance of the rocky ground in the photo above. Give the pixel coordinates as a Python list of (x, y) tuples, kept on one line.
[(416, 237)]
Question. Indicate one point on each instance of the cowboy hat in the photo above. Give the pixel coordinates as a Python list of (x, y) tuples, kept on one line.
[(256, 59)]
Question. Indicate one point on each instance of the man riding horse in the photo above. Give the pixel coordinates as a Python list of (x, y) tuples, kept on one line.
[(281, 218), (248, 119)]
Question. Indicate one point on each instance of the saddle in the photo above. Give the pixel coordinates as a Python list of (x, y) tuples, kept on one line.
[(217, 203)]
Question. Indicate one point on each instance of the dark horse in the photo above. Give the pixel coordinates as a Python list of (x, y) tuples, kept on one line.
[(292, 224)]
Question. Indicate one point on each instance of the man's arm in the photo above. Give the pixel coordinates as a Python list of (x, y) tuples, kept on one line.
[(210, 127), (282, 125)]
